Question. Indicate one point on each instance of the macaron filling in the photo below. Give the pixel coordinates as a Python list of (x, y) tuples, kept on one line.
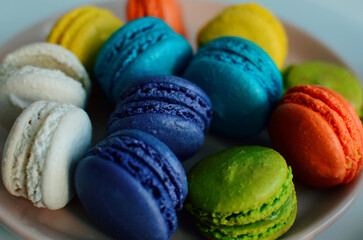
[(18, 182), (38, 152), (272, 225), (336, 115), (172, 94)]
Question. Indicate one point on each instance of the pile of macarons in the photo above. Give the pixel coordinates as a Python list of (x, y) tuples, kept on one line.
[(165, 99)]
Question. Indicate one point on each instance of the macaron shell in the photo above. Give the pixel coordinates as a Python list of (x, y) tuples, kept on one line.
[(96, 180), (18, 145), (161, 148), (329, 75), (168, 10), (252, 22), (168, 57), (321, 166), (69, 141), (19, 89), (90, 39), (242, 189), (65, 21), (340, 115), (48, 56)]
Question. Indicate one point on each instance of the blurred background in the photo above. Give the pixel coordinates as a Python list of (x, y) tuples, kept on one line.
[(337, 24)]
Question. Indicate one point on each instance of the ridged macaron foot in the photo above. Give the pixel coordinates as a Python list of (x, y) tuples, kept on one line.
[(84, 30), (143, 47), (242, 192), (250, 21), (329, 75), (170, 108), (41, 152), (168, 10), (319, 134), (129, 180), (40, 71), (242, 82)]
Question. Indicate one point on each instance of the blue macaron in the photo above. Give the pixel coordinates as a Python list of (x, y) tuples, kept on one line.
[(131, 184), (170, 108), (242, 81), (143, 47)]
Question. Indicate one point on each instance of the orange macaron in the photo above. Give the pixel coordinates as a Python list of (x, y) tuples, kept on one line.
[(319, 134), (167, 10)]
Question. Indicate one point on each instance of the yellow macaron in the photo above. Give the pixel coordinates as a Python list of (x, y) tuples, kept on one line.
[(252, 22), (84, 30)]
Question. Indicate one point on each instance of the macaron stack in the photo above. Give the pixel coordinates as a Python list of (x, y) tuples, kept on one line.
[(132, 183)]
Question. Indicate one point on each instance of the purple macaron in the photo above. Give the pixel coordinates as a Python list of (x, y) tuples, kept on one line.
[(172, 109)]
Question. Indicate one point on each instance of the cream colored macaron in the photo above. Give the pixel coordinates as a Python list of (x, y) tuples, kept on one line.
[(42, 150), (40, 71)]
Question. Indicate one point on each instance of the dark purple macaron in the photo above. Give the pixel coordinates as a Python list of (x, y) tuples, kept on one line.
[(170, 108), (131, 184)]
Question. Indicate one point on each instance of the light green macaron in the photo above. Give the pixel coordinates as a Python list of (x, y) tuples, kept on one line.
[(242, 193), (328, 75)]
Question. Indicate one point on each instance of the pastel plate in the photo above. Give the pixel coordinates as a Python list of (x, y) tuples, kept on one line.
[(317, 209)]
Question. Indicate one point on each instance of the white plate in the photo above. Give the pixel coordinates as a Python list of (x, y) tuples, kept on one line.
[(317, 209)]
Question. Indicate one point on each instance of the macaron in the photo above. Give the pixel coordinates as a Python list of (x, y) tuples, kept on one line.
[(131, 184), (250, 21), (143, 47), (242, 81), (40, 71), (170, 108), (329, 75), (167, 10), (244, 192), (84, 30), (41, 152), (319, 134)]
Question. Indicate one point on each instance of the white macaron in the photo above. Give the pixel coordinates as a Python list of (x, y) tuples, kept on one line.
[(42, 150), (40, 71)]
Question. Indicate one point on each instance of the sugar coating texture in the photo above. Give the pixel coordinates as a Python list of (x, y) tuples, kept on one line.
[(242, 192)]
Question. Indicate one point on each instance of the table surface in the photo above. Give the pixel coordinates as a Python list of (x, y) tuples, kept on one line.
[(338, 24)]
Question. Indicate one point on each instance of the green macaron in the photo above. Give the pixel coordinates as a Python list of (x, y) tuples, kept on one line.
[(242, 193), (328, 75)]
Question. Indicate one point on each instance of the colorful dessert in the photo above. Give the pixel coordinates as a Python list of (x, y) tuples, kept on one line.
[(143, 47), (242, 193), (241, 80), (131, 184), (84, 30), (329, 75), (170, 108), (167, 10), (42, 150), (40, 71), (252, 22), (319, 134)]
